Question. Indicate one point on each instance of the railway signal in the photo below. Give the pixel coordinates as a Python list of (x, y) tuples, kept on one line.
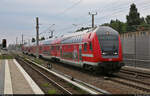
[(4, 43)]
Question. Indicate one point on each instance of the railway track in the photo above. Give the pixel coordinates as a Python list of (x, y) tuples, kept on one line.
[(136, 73), (131, 78), (120, 81), (60, 87), (132, 84), (45, 72)]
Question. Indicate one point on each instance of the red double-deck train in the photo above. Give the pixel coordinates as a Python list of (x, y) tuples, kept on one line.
[(96, 49)]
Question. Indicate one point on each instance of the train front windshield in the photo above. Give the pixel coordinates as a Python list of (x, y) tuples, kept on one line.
[(109, 44)]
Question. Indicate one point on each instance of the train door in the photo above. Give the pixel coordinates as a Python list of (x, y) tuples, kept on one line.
[(80, 53), (75, 54), (60, 51)]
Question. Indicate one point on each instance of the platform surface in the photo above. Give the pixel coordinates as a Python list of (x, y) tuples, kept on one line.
[(14, 79), (2, 74)]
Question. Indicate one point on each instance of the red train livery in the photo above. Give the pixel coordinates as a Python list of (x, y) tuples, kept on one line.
[(96, 49)]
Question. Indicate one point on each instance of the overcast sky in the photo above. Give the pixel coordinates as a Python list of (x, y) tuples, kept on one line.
[(18, 16)]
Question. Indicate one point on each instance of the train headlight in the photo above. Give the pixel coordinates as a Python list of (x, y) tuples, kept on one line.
[(115, 53), (103, 53)]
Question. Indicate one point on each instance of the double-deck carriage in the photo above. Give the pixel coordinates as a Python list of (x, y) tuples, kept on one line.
[(97, 49)]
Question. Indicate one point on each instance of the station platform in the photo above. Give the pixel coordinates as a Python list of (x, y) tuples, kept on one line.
[(14, 79)]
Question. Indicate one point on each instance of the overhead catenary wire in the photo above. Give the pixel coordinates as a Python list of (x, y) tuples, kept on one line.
[(121, 8), (86, 17), (119, 11), (75, 4)]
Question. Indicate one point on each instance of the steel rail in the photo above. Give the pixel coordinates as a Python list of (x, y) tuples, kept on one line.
[(138, 73), (130, 85), (79, 81), (84, 83), (46, 77)]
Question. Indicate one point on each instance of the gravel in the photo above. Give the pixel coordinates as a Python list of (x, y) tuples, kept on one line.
[(96, 80)]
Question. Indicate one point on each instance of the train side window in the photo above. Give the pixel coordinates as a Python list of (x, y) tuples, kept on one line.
[(56, 47), (52, 47), (91, 46), (85, 46), (40, 47), (78, 39), (73, 40)]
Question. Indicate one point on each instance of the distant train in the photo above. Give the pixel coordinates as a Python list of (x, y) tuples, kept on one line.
[(98, 49)]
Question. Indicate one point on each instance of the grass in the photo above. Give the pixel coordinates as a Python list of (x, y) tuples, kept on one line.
[(76, 88), (37, 61), (52, 91), (6, 57), (45, 85)]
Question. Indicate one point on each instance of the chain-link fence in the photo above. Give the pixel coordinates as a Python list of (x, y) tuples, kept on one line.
[(136, 48)]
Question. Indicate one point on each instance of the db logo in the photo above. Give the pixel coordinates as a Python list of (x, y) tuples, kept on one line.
[(109, 59)]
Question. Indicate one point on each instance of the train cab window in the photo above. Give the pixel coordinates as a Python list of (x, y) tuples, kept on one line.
[(85, 46), (90, 46)]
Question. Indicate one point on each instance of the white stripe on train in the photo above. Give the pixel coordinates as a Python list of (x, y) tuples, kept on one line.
[(88, 55)]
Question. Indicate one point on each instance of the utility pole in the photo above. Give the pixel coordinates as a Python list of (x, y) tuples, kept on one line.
[(16, 40), (16, 43), (22, 39), (52, 32), (37, 37), (29, 41), (92, 14)]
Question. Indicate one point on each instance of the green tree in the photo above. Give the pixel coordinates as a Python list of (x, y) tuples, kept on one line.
[(117, 25), (83, 28), (33, 39), (105, 24), (133, 19), (143, 20), (148, 19)]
